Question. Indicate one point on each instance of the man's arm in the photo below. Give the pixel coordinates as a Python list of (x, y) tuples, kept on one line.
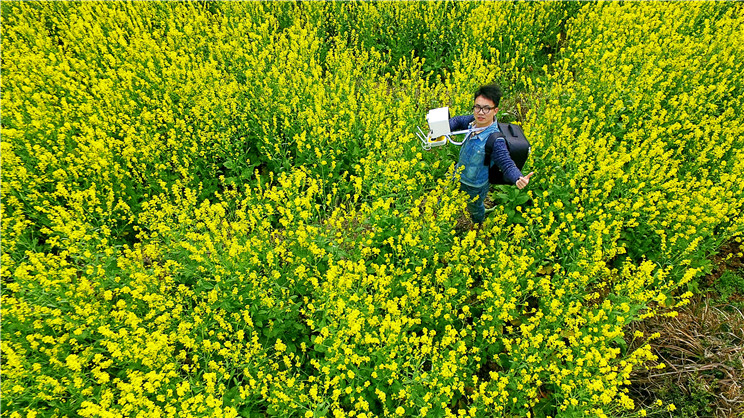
[(503, 161), (460, 123)]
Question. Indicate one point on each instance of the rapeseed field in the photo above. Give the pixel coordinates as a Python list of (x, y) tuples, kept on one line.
[(222, 209)]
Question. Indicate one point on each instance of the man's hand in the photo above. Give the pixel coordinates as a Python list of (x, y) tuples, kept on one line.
[(524, 181)]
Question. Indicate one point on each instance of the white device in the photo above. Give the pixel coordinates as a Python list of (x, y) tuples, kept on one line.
[(438, 120)]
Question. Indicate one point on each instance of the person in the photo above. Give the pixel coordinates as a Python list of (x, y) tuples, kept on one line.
[(474, 176)]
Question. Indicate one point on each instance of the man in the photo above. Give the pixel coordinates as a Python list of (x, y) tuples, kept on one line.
[(474, 177)]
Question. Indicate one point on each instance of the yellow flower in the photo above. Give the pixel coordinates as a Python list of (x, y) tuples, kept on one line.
[(73, 362)]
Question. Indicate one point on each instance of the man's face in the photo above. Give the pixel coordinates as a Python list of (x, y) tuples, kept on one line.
[(484, 111)]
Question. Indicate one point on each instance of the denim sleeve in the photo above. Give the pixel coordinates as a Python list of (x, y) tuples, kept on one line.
[(503, 161), (459, 123)]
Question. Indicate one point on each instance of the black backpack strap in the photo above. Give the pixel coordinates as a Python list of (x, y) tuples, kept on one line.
[(489, 146)]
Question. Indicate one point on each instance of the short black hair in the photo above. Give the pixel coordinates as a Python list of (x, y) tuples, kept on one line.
[(491, 92)]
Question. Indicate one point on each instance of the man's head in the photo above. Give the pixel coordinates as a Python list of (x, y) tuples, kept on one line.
[(486, 104), (491, 92)]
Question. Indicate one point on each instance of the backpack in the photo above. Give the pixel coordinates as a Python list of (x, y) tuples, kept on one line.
[(517, 144)]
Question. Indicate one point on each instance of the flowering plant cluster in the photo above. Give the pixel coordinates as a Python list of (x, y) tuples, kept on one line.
[(220, 208)]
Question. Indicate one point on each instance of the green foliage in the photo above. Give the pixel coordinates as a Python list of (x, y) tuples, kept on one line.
[(730, 284), (219, 208)]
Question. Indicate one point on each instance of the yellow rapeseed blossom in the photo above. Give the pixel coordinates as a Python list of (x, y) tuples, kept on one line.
[(220, 209)]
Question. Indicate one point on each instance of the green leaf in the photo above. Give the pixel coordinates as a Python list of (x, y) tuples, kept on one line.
[(505, 361)]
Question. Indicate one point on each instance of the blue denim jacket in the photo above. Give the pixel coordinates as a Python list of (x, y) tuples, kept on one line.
[(473, 153)]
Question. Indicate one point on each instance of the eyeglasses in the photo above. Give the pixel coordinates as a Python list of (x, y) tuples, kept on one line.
[(482, 109)]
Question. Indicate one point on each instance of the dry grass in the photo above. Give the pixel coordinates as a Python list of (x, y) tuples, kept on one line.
[(702, 350)]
